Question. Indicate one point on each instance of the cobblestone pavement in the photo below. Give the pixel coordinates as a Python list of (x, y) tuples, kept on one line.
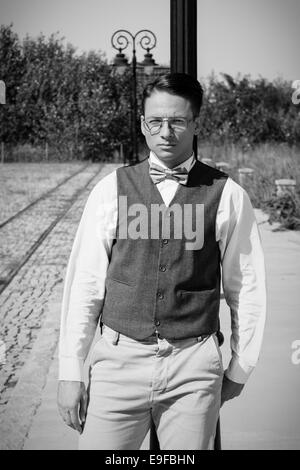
[(23, 302), (23, 183)]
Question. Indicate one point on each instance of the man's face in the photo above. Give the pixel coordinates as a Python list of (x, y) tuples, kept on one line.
[(171, 145)]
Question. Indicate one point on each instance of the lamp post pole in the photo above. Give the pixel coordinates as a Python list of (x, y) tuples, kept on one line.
[(120, 41), (134, 110), (183, 21)]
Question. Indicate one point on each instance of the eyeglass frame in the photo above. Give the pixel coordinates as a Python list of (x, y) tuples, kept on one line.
[(187, 121)]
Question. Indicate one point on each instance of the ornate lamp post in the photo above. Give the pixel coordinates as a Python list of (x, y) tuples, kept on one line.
[(120, 41)]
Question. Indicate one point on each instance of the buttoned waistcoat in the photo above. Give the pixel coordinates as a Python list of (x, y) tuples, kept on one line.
[(160, 278)]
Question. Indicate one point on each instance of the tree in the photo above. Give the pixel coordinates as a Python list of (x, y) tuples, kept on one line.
[(12, 69)]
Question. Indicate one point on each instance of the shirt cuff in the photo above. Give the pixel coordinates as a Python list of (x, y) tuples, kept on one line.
[(238, 371), (71, 368)]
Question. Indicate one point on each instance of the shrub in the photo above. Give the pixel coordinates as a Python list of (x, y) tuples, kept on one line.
[(284, 209)]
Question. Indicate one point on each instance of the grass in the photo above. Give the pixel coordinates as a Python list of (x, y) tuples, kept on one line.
[(269, 162)]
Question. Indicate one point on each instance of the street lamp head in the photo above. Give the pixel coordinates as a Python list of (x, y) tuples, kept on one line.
[(120, 41), (120, 63), (148, 63)]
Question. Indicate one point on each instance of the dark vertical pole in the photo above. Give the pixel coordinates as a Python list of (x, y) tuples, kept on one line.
[(135, 144), (217, 443), (184, 36), (154, 443), (183, 21)]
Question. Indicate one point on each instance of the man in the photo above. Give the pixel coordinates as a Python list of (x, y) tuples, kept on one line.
[(147, 255)]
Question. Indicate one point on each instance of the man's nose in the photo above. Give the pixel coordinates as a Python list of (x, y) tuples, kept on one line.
[(166, 129)]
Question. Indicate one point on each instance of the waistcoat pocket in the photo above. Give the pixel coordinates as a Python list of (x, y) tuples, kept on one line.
[(201, 297), (119, 295), (120, 281)]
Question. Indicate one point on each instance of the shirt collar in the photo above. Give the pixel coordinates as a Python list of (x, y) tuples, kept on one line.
[(188, 163)]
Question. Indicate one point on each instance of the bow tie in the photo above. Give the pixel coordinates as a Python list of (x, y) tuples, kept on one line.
[(158, 174)]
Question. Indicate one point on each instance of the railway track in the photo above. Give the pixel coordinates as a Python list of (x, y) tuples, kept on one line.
[(22, 259), (43, 196)]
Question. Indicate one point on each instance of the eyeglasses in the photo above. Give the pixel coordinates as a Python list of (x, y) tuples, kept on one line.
[(177, 124)]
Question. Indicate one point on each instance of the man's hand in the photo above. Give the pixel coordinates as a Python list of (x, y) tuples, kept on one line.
[(230, 389), (72, 403)]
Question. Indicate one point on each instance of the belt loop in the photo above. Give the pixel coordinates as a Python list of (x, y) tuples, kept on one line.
[(116, 338)]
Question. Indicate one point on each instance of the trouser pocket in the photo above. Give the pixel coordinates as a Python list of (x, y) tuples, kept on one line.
[(217, 351)]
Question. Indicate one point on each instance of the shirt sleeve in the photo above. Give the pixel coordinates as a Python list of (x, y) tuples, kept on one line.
[(243, 278), (84, 286)]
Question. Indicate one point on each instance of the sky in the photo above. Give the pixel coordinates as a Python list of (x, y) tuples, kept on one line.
[(257, 37)]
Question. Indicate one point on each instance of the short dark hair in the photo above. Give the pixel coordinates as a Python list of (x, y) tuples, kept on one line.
[(180, 84)]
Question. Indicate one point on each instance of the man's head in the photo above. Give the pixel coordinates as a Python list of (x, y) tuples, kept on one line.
[(171, 106)]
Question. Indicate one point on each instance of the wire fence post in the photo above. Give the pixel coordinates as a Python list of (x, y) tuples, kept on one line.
[(46, 151), (2, 152), (2, 92), (122, 159)]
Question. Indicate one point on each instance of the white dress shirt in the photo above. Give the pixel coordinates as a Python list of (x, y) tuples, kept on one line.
[(243, 274)]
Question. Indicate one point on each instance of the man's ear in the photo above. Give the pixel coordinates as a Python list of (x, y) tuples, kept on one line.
[(142, 125), (197, 125)]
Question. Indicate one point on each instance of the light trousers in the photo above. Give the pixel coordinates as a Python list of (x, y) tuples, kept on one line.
[(177, 382)]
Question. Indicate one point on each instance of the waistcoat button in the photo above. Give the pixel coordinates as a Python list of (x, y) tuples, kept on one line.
[(162, 268)]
